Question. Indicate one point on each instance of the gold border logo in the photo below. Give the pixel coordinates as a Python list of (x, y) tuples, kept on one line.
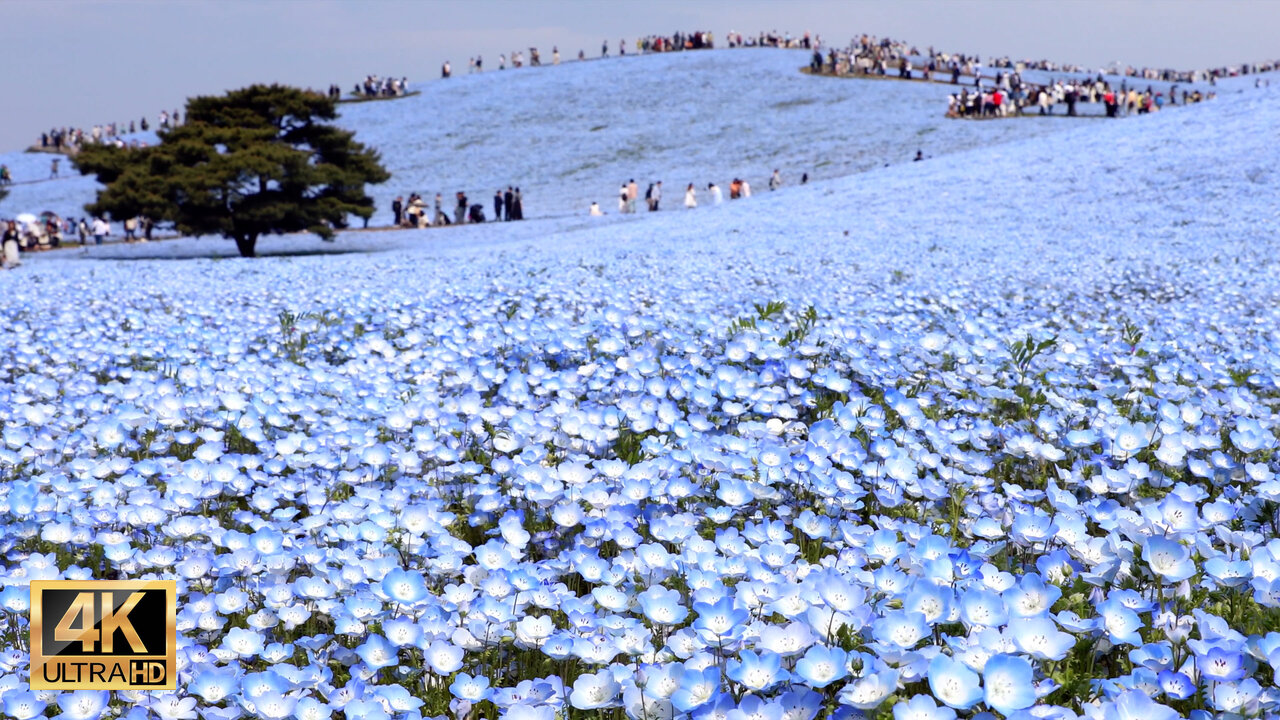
[(98, 645)]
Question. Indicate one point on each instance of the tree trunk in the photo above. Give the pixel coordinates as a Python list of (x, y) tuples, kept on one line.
[(245, 244)]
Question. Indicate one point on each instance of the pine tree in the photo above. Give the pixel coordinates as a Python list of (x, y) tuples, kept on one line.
[(254, 162)]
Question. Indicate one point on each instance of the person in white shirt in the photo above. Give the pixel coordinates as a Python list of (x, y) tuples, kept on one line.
[(101, 229)]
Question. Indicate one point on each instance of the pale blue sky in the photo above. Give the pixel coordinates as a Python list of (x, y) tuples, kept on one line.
[(81, 62)]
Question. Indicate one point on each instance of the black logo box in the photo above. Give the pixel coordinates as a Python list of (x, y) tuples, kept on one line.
[(148, 619)]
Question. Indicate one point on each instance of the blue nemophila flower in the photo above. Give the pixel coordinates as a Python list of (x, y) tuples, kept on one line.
[(214, 684), (406, 587), (1168, 558), (1129, 438), (1221, 665), (1031, 597), (1121, 623), (801, 704), (822, 665), (753, 707), (595, 691), (719, 620), (274, 706), (934, 601), (953, 683), (1176, 685), (869, 690), (309, 708), (243, 643), (1040, 638), (902, 630), (757, 672), (22, 705), (377, 652), (82, 704), (1153, 656), (1240, 698), (922, 707), (1136, 705), (980, 608), (529, 712), (1008, 684), (697, 688), (663, 606), (470, 688), (838, 594), (638, 704), (786, 640), (362, 709)]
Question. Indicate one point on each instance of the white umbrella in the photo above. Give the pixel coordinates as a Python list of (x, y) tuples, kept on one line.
[(26, 218)]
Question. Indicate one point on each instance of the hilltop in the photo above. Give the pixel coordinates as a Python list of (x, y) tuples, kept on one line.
[(1010, 410)]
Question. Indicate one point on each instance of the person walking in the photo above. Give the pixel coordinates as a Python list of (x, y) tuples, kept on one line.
[(508, 201), (517, 212), (497, 206), (690, 197), (397, 209), (10, 242), (775, 181), (717, 197), (633, 194), (648, 197), (460, 212), (53, 168), (441, 217), (130, 229), (622, 199), (100, 230), (657, 196)]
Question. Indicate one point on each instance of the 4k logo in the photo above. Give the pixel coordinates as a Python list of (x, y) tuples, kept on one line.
[(104, 635)]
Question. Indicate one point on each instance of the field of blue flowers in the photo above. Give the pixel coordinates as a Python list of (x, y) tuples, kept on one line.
[(992, 435)]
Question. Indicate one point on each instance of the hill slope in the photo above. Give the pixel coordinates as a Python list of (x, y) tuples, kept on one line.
[(583, 404)]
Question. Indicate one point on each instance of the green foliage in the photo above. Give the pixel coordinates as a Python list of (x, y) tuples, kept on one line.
[(800, 330), (292, 340), (1131, 334), (1024, 351), (253, 162), (237, 443), (629, 447), (772, 310)]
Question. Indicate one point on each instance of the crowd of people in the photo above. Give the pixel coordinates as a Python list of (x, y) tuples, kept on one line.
[(629, 194), (70, 139), (508, 205), (871, 55), (373, 87), (774, 39), (1003, 93), (696, 40), (29, 233), (1010, 96)]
